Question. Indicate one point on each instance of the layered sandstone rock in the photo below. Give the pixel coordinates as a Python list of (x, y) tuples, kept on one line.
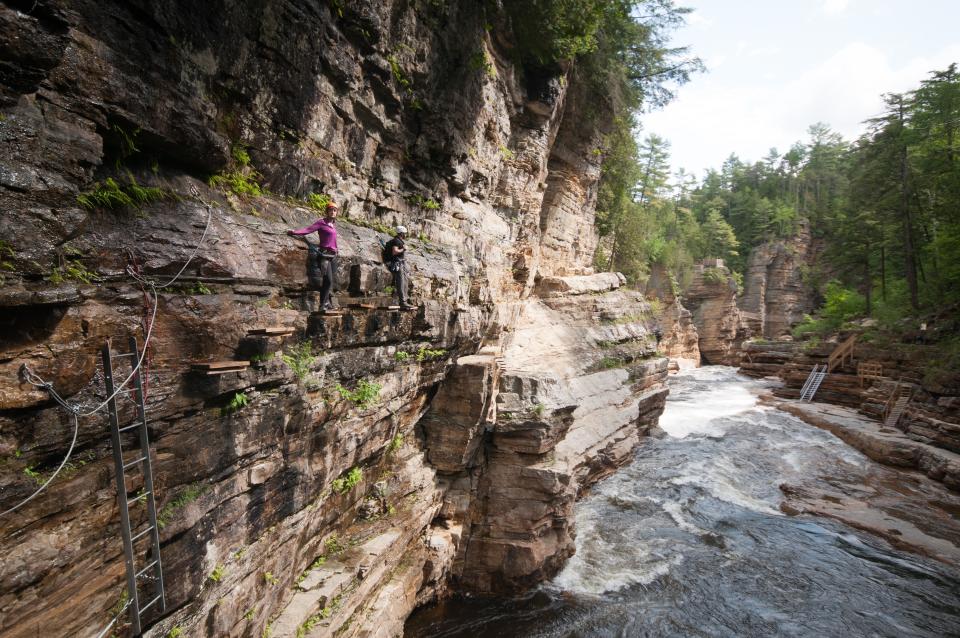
[(766, 359), (580, 385), (678, 334), (307, 509), (775, 299), (712, 298), (774, 295)]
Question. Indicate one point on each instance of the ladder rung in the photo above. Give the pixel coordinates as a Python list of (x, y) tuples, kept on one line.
[(134, 462), (120, 356), (144, 608), (141, 534), (144, 570), (130, 427), (138, 497)]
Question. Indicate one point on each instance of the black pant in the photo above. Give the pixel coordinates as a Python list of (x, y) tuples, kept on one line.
[(327, 266), (399, 270)]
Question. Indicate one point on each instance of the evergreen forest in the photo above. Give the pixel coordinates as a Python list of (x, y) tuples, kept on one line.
[(885, 208)]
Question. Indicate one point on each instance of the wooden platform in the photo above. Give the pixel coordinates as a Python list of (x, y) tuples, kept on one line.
[(272, 331), (211, 368)]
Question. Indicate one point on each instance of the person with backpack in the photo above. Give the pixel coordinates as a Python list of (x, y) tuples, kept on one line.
[(326, 250), (394, 253)]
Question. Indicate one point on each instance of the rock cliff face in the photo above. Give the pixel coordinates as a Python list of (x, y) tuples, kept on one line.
[(712, 298), (679, 337), (774, 296), (384, 456)]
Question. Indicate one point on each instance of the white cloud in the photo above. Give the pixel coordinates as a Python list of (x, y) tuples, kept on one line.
[(835, 7), (715, 116), (715, 62), (763, 52), (697, 19), (847, 87)]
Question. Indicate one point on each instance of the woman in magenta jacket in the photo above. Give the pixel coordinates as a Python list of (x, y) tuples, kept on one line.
[(327, 249)]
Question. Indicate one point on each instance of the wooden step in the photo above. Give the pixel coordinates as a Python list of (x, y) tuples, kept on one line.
[(213, 373), (272, 331), (219, 367)]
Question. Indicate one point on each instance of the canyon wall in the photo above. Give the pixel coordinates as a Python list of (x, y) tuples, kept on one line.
[(712, 298), (363, 462), (775, 297), (679, 338)]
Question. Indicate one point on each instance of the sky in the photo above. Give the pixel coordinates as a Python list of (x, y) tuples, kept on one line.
[(774, 67)]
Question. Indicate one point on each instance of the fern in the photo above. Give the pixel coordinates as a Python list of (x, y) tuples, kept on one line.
[(364, 396)]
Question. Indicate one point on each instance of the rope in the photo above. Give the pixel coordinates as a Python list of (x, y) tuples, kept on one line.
[(134, 268), (115, 619), (36, 380)]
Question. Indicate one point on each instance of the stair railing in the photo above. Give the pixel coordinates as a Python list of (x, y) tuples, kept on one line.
[(841, 353)]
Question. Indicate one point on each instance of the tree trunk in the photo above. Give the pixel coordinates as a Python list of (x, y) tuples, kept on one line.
[(883, 272), (613, 247), (909, 253), (867, 281)]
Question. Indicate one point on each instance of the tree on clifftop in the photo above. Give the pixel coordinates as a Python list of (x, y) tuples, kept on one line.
[(620, 49)]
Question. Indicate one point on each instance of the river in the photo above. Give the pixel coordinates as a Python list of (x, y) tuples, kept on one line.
[(689, 540)]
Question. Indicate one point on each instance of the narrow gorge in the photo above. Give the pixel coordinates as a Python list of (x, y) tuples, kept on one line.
[(353, 465), (491, 460)]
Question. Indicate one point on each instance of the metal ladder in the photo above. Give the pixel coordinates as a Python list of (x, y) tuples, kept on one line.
[(813, 382), (152, 570), (903, 394)]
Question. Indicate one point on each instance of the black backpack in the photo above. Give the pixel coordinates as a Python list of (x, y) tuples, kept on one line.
[(385, 252)]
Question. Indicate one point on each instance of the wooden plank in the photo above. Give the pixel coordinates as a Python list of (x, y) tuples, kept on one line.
[(219, 365), (272, 331), (211, 373), (366, 306)]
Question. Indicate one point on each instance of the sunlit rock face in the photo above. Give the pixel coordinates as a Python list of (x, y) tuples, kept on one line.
[(378, 458)]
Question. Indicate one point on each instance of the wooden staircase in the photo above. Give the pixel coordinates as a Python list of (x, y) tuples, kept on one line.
[(840, 355), (896, 404)]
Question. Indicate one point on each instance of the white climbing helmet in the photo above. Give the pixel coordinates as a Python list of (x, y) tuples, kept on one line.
[(401, 230)]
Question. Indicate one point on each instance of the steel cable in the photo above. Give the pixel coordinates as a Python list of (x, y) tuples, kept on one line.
[(37, 381)]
